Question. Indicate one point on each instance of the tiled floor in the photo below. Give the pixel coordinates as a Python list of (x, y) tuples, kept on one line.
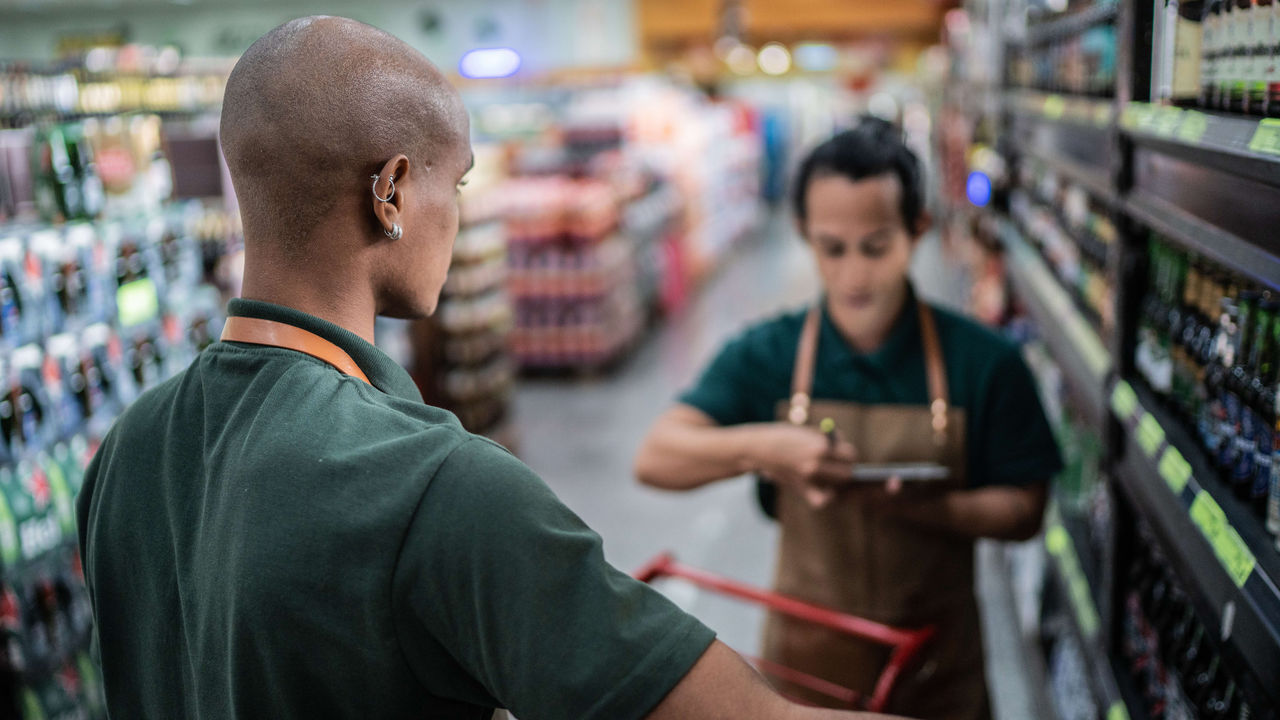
[(580, 436)]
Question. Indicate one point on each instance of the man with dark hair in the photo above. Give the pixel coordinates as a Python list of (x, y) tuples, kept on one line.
[(870, 378), (284, 530)]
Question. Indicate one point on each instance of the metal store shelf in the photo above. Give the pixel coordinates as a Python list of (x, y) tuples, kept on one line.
[(1073, 23), (1231, 564), (1071, 339), (1204, 238), (1086, 624), (1243, 146), (1094, 113)]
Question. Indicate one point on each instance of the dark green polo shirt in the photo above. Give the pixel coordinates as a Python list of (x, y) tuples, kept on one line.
[(264, 537), (1009, 442)]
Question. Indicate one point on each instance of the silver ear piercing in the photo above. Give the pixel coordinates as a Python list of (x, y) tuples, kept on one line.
[(395, 232), (391, 180)]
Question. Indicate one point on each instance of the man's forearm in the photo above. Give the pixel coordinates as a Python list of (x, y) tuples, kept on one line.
[(999, 512), (683, 457)]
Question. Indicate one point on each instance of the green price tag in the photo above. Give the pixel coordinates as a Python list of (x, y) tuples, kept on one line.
[(1058, 542), (1194, 125), (1165, 121), (1124, 401), (1054, 107), (137, 302), (1117, 711), (1266, 139), (1134, 114), (1102, 115), (1175, 470), (1225, 541), (1150, 434)]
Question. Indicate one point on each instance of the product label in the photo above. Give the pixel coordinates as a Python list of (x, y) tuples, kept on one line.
[(1225, 541), (138, 302), (1186, 59)]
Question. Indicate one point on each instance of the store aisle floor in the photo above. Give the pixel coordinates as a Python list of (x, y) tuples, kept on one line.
[(581, 436)]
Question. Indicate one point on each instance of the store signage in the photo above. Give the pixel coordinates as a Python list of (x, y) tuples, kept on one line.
[(1266, 139), (1225, 541)]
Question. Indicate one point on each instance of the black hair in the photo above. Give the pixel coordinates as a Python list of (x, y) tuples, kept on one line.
[(870, 148)]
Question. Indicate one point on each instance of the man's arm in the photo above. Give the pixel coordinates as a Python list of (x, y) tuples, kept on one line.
[(1001, 512), (720, 686), (686, 449)]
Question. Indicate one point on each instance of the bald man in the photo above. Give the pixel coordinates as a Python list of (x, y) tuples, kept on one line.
[(285, 530)]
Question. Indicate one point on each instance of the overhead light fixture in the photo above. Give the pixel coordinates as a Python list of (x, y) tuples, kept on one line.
[(816, 57), (489, 63), (774, 59), (741, 60)]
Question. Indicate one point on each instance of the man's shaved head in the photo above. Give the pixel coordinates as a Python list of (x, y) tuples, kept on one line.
[(316, 106)]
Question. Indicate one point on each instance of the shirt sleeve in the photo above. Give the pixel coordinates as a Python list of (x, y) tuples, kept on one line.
[(1014, 444), (730, 389), (513, 587)]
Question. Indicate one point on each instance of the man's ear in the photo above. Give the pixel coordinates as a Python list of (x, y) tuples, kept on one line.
[(386, 198)]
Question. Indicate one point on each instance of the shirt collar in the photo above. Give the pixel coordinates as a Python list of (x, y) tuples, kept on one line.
[(902, 341), (383, 372)]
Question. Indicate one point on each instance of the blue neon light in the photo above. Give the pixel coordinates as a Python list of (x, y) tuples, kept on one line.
[(978, 188), (489, 63)]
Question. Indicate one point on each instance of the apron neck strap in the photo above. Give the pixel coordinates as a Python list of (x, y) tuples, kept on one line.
[(256, 331), (807, 353)]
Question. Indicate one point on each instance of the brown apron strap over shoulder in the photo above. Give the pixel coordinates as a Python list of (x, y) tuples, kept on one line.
[(257, 331), (935, 369)]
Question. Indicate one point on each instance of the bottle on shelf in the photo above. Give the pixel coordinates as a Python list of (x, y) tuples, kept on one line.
[(1272, 65), (1240, 471), (1210, 52), (1184, 65), (1262, 401)]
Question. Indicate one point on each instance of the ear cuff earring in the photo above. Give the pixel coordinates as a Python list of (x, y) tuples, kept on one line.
[(391, 180)]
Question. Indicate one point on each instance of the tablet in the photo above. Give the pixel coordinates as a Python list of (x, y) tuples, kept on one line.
[(907, 472)]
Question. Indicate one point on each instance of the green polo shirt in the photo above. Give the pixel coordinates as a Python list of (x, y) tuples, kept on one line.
[(265, 537), (1008, 441)]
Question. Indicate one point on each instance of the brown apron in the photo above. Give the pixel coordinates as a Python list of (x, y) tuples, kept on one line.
[(847, 556)]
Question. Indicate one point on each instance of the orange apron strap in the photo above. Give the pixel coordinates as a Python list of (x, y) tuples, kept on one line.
[(935, 372), (935, 369), (802, 379), (257, 331)]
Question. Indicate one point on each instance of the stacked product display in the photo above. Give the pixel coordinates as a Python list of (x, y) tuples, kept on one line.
[(1139, 235), (107, 287), (573, 276)]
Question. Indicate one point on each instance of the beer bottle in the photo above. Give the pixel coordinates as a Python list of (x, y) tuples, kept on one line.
[(1211, 47), (1263, 400), (1239, 409), (1206, 418), (1221, 446), (1187, 51)]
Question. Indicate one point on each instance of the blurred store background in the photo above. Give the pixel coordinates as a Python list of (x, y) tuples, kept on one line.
[(1106, 188)]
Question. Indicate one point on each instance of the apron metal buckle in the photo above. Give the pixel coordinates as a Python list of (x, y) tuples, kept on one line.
[(939, 410), (799, 412)]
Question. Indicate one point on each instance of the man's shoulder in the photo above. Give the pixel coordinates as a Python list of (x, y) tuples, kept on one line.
[(771, 337)]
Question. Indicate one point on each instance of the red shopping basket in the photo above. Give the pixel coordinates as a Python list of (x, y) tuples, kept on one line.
[(906, 643)]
